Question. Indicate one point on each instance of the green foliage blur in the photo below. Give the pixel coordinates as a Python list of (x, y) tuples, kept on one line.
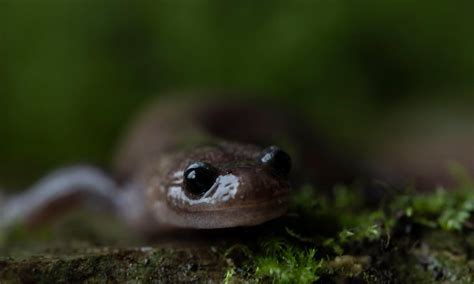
[(72, 73)]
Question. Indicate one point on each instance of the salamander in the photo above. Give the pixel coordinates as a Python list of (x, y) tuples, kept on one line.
[(195, 163)]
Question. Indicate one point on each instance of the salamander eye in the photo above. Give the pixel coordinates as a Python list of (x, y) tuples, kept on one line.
[(199, 177), (277, 159)]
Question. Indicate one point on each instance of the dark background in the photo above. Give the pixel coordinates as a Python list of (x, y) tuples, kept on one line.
[(73, 72)]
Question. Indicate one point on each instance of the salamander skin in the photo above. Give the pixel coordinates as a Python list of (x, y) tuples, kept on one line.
[(197, 164)]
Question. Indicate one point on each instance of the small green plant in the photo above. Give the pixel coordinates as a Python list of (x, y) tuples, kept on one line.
[(286, 263), (229, 275)]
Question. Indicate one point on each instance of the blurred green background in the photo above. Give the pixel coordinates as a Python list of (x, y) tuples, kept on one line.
[(73, 72)]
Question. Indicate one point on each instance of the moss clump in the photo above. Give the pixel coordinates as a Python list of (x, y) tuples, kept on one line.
[(287, 263)]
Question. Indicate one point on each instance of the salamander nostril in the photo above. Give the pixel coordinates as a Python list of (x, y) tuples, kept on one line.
[(277, 159)]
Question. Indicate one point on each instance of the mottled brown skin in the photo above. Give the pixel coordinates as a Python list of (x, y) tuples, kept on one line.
[(168, 137), (230, 135)]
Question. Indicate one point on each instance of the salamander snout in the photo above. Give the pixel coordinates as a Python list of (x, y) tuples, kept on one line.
[(220, 189), (276, 160)]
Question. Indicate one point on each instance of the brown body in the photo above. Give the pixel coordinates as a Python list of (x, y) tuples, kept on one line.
[(174, 126), (246, 183), (152, 178), (231, 135)]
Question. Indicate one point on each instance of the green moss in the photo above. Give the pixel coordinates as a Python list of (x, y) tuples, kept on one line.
[(116, 265), (286, 264), (396, 235), (446, 210)]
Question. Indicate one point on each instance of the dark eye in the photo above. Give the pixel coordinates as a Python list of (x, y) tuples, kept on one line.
[(277, 159), (199, 177)]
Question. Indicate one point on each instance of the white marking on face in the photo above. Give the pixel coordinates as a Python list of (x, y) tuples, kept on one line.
[(178, 177), (224, 189)]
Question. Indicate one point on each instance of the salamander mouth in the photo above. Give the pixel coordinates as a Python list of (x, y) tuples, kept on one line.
[(276, 200), (239, 215)]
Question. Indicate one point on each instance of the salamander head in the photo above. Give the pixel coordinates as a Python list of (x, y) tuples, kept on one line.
[(222, 186)]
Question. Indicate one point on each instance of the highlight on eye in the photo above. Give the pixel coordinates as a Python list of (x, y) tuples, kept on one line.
[(199, 178), (278, 160)]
